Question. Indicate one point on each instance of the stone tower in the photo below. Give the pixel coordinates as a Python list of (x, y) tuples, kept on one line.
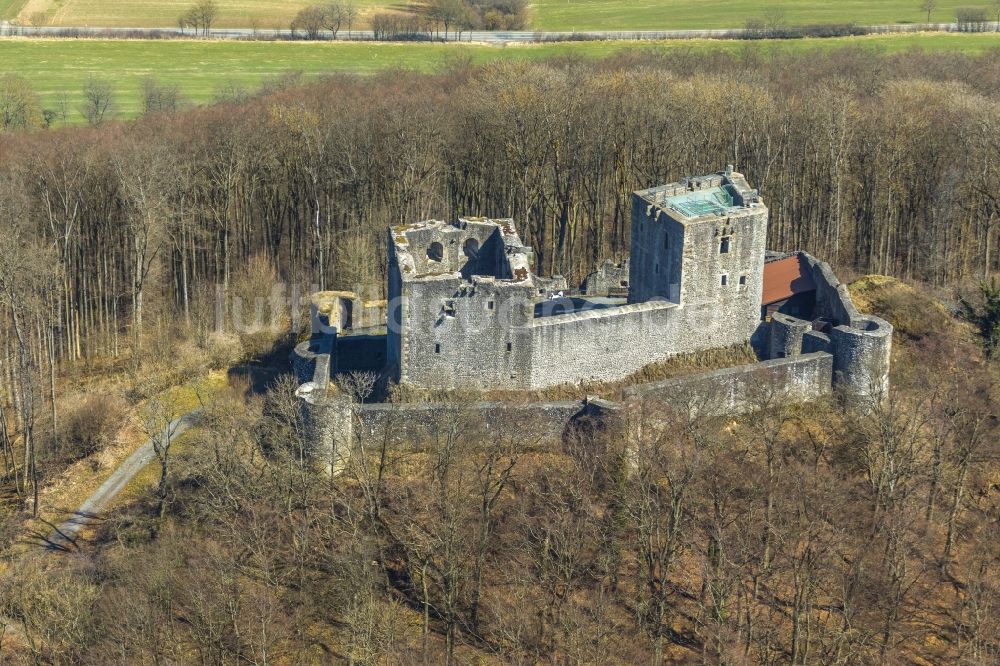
[(700, 244), (461, 301)]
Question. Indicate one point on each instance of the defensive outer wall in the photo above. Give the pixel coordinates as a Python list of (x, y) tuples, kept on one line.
[(851, 359), (334, 421), (681, 298)]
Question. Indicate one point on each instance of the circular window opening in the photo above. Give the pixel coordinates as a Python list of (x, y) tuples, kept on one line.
[(435, 252), (471, 248)]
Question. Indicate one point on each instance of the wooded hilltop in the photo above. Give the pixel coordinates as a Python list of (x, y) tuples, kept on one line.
[(793, 535)]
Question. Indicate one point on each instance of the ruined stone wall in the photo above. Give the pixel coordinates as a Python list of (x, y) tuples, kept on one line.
[(541, 422), (488, 257), (339, 424), (325, 412), (609, 278), (861, 345), (786, 335), (312, 360), (833, 300), (467, 335), (814, 341), (303, 362), (361, 353), (460, 295), (735, 390), (368, 314)]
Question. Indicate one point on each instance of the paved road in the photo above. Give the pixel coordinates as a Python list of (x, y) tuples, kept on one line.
[(64, 537), (498, 37)]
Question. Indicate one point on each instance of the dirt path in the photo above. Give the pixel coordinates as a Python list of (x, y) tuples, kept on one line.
[(64, 536)]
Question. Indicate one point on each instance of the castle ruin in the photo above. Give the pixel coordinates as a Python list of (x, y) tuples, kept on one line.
[(465, 311)]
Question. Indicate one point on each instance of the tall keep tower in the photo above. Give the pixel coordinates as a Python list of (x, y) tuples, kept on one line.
[(700, 244)]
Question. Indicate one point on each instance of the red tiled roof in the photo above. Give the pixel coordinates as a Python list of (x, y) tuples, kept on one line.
[(785, 278)]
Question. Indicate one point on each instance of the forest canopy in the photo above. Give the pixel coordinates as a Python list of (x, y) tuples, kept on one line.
[(886, 164), (788, 535)]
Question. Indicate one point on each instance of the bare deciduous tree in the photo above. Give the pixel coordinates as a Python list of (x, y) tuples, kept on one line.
[(98, 100), (201, 16), (928, 6)]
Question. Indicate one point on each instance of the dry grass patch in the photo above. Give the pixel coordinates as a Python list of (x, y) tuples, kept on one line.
[(911, 311), (262, 14), (61, 495)]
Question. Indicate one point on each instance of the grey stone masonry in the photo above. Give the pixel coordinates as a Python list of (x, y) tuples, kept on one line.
[(861, 345), (740, 389), (463, 298), (326, 413), (610, 278), (693, 241), (787, 334), (465, 311), (725, 392)]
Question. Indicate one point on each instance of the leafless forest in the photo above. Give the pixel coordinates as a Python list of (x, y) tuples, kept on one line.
[(789, 536), (885, 164)]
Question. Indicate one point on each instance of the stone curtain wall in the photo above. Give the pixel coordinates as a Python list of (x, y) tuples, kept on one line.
[(740, 389), (861, 345), (833, 300), (337, 424), (541, 422), (610, 278), (604, 345)]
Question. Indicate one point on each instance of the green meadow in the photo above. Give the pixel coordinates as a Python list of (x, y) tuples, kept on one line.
[(10, 8), (58, 69), (695, 14)]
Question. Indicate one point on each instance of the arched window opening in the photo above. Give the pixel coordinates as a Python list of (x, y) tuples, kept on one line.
[(471, 248), (435, 252)]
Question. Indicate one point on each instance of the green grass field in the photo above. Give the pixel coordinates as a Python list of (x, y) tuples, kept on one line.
[(547, 14), (10, 8), (693, 14), (59, 68)]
